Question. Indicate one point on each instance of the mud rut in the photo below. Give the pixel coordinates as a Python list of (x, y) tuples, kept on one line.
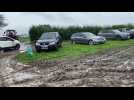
[(112, 68)]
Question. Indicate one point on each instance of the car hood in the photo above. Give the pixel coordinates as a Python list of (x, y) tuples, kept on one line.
[(46, 40)]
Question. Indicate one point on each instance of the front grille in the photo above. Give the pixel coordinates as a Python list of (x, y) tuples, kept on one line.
[(45, 43)]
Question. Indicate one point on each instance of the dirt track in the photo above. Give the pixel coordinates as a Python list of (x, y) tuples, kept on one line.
[(112, 68)]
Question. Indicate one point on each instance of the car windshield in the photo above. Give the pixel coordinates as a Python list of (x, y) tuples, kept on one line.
[(89, 35), (48, 36)]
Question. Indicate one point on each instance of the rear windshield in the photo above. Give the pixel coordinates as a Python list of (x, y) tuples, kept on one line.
[(48, 36), (89, 35)]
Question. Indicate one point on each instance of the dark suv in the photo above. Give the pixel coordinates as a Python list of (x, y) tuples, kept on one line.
[(48, 41)]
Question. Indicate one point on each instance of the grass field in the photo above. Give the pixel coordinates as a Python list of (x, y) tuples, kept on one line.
[(73, 51)]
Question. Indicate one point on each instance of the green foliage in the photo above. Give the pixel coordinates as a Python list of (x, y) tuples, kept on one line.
[(127, 26)]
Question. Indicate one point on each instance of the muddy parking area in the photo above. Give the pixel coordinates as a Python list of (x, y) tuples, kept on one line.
[(113, 68)]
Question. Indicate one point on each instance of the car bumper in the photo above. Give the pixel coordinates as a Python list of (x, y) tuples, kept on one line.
[(99, 42), (45, 47)]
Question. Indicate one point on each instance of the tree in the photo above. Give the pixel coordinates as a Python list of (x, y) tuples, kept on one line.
[(2, 23)]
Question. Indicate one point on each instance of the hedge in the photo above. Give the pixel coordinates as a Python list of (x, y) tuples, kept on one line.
[(36, 31)]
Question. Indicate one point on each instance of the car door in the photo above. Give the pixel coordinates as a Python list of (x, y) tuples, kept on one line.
[(109, 34), (9, 42), (79, 38), (83, 39), (2, 42), (76, 37)]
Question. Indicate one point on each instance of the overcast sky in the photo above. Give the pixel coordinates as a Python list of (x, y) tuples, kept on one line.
[(21, 21)]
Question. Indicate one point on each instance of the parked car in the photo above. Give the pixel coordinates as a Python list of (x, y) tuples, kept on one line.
[(114, 34), (48, 40), (131, 33), (87, 38), (9, 43)]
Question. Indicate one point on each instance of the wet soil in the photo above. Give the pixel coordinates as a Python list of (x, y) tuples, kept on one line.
[(114, 68)]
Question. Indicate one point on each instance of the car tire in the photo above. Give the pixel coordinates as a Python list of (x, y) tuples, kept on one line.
[(56, 48), (91, 42), (17, 47)]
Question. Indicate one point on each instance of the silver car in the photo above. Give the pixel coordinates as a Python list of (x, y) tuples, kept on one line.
[(114, 34), (87, 38)]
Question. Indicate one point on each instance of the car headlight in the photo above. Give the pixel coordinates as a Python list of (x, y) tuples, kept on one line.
[(52, 43), (37, 43)]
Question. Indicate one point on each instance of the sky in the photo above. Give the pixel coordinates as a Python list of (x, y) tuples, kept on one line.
[(22, 21)]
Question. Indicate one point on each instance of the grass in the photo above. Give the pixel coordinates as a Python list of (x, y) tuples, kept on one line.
[(24, 39), (69, 51)]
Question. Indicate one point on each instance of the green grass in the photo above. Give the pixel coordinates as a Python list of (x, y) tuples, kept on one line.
[(24, 39), (69, 51)]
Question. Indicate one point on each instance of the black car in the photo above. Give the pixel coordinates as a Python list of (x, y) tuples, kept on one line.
[(49, 41)]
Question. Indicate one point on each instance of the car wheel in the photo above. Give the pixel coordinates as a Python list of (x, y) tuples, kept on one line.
[(56, 47), (17, 47), (91, 42)]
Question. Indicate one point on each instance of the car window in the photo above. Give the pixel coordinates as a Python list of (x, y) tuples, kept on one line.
[(5, 39), (48, 36), (76, 34), (89, 35), (110, 31), (81, 35), (8, 39), (2, 39), (105, 31)]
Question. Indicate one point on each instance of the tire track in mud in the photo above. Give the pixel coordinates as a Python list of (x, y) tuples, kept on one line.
[(112, 68), (13, 73), (119, 67)]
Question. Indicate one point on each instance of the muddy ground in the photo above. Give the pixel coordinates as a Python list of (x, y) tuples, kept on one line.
[(114, 68)]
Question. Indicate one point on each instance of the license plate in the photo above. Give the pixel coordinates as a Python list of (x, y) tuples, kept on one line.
[(45, 47)]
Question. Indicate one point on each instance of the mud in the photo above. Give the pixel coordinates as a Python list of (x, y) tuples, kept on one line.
[(114, 68)]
